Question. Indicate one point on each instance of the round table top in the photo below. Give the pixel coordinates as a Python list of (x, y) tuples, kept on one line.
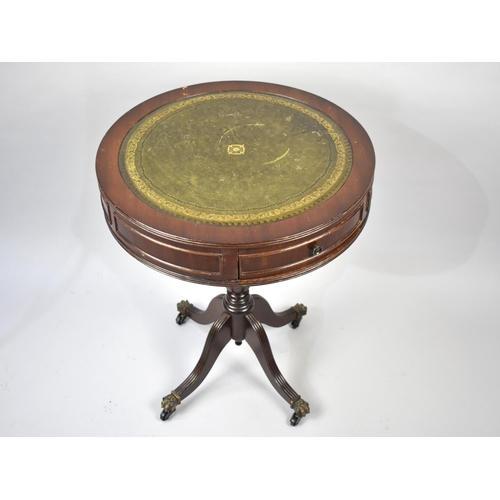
[(248, 169), (235, 158)]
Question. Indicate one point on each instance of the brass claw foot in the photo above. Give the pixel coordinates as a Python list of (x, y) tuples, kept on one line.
[(239, 316), (169, 404), (300, 408), (301, 311), (182, 307)]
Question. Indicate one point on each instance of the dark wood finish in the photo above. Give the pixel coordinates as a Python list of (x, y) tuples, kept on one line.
[(248, 255), (237, 257), (213, 311), (241, 317), (218, 337), (266, 315), (258, 341)]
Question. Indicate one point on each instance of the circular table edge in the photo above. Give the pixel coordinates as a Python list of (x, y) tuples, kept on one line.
[(125, 212)]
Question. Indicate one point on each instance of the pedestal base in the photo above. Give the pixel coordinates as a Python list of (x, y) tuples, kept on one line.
[(238, 316)]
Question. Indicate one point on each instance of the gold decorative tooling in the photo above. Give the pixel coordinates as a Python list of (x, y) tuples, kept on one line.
[(235, 158)]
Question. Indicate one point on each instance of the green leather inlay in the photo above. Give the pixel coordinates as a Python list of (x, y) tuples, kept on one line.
[(235, 158)]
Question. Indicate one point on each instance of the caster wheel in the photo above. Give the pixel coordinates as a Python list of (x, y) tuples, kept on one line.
[(180, 319), (238, 342), (295, 419), (165, 415), (295, 323)]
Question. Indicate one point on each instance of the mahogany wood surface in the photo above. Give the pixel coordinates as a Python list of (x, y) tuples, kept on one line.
[(236, 255)]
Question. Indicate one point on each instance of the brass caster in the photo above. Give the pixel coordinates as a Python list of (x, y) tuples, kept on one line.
[(169, 404), (182, 307), (301, 311), (300, 409)]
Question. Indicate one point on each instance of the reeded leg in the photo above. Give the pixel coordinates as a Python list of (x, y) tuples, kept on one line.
[(264, 313), (258, 341), (218, 337), (209, 315), (238, 315)]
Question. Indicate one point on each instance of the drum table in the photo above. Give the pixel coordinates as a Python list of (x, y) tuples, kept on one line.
[(236, 184)]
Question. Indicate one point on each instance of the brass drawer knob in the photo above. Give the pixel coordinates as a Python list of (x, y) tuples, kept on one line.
[(317, 249)]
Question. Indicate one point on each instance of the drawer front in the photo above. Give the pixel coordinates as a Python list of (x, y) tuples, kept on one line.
[(234, 265), (301, 254), (176, 257), (188, 262)]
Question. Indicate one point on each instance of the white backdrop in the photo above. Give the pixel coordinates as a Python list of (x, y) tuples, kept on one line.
[(402, 336)]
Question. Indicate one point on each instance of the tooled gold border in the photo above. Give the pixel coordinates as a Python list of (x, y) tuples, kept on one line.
[(339, 174)]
